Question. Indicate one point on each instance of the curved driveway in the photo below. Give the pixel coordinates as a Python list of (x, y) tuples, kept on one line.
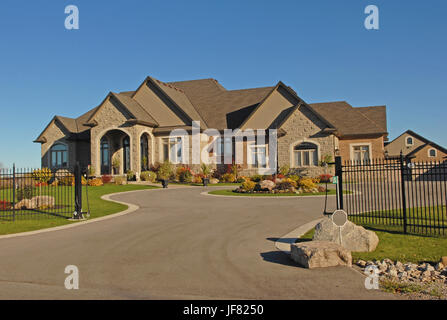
[(178, 245)]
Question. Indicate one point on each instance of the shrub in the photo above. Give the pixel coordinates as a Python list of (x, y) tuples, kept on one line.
[(248, 185), (242, 179), (148, 176), (106, 178), (66, 181), (286, 184), (198, 178), (307, 184), (41, 184), (131, 176), (42, 175), (206, 170), (228, 177), (165, 171), (95, 182), (280, 176), (62, 173), (295, 178), (184, 174), (4, 205), (326, 177), (284, 170), (120, 180), (256, 177), (25, 192), (83, 181)]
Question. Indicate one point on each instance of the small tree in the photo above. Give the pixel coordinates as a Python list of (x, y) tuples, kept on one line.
[(206, 170), (165, 170)]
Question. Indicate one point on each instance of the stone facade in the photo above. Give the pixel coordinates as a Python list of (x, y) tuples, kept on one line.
[(304, 126)]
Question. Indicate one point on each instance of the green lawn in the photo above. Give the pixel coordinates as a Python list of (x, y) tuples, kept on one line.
[(398, 246), (430, 216), (231, 193), (98, 208)]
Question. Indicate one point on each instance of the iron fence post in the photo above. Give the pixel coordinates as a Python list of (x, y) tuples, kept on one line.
[(78, 191), (14, 192), (339, 174), (404, 198)]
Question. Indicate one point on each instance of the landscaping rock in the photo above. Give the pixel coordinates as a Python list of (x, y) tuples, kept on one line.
[(361, 263), (439, 266), (266, 185), (320, 254), (44, 201), (214, 181), (444, 261), (26, 204), (354, 238)]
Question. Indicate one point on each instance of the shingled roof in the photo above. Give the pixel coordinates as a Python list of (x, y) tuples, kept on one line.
[(221, 108), (206, 100), (350, 121)]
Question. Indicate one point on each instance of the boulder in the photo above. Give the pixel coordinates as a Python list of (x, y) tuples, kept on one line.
[(353, 237), (44, 201), (320, 254), (266, 185), (444, 261), (26, 204)]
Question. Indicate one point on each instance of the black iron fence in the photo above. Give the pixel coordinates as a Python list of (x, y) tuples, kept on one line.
[(407, 196), (40, 193)]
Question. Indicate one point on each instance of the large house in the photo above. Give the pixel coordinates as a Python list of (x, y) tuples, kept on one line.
[(415, 146), (130, 130)]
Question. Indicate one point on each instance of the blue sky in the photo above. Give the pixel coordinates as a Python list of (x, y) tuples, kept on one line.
[(320, 48)]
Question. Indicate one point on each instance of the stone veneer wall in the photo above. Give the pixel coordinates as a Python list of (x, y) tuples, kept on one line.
[(304, 126)]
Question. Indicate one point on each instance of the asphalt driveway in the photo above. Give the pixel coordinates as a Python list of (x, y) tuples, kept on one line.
[(180, 244)]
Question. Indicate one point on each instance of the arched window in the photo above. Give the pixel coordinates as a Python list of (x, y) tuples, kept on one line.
[(432, 153), (144, 156), (305, 155), (126, 151), (409, 141), (59, 156), (105, 156)]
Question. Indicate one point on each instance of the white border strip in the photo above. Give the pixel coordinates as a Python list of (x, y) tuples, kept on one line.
[(131, 208)]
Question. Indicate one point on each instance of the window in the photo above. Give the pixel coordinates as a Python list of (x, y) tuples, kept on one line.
[(173, 149), (59, 156), (222, 147), (360, 153), (432, 153), (126, 152), (144, 150), (105, 156), (306, 154), (409, 141), (258, 156)]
